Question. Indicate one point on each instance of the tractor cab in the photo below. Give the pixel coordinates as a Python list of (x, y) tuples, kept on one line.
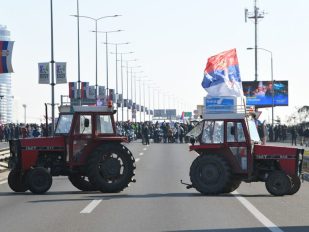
[(231, 135), (84, 127), (230, 151), (85, 147)]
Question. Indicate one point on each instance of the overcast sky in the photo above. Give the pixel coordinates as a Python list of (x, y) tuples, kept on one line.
[(171, 39)]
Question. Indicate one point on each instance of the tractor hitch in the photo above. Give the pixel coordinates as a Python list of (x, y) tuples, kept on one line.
[(188, 186)]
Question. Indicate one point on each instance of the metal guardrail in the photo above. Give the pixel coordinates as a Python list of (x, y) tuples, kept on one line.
[(4, 156)]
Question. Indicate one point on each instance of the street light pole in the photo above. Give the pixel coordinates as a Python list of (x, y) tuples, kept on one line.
[(78, 56), (116, 53), (273, 90), (272, 82), (131, 68), (121, 68), (52, 68), (96, 45), (25, 115), (106, 45)]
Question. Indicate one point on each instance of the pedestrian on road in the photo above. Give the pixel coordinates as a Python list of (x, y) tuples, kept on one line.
[(146, 134), (294, 135), (306, 136)]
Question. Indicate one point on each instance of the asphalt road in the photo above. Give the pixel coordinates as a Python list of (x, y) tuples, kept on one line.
[(156, 202)]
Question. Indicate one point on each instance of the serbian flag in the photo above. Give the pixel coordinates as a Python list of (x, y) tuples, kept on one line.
[(221, 75), (84, 89), (6, 48), (72, 89), (182, 115)]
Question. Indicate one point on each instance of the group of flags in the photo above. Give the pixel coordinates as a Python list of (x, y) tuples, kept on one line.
[(88, 92), (6, 48)]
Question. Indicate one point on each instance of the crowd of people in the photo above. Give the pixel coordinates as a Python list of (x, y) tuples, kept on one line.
[(15, 131), (164, 132), (296, 134), (159, 132)]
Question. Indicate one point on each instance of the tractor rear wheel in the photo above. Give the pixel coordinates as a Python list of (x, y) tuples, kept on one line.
[(39, 180), (296, 183), (110, 168), (278, 183), (210, 174), (17, 181), (81, 182)]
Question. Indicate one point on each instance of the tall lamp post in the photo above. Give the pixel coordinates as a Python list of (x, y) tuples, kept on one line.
[(134, 97), (140, 96), (106, 54), (96, 45), (25, 115), (127, 91), (121, 68), (128, 84), (272, 82), (116, 53)]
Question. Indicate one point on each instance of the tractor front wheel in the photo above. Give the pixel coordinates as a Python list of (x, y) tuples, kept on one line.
[(81, 182), (278, 183), (17, 181), (232, 186), (111, 168), (210, 174), (296, 183), (39, 180)]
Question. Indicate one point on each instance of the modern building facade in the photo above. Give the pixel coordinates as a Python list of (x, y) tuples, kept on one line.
[(6, 96)]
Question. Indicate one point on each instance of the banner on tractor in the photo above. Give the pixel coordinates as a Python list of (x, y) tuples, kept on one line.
[(222, 76)]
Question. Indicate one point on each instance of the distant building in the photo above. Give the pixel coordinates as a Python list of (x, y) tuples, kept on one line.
[(6, 96)]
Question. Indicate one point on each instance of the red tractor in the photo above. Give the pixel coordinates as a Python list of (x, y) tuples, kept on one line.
[(230, 152), (85, 148)]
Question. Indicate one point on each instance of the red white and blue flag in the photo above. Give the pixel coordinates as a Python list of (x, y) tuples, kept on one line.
[(6, 48), (222, 76), (72, 89), (84, 89)]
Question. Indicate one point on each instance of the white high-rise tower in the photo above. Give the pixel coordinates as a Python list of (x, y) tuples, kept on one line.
[(6, 97)]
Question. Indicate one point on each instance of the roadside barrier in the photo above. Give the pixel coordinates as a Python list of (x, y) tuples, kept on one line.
[(306, 164), (4, 156)]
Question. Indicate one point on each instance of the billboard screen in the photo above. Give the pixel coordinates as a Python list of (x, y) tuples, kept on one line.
[(259, 93), (171, 112), (159, 113)]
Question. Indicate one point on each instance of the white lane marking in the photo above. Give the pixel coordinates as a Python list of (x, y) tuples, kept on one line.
[(91, 206), (3, 182), (257, 214), (138, 159), (145, 149), (141, 154)]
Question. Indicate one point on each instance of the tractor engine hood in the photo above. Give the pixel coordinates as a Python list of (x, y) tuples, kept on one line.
[(275, 151), (43, 143)]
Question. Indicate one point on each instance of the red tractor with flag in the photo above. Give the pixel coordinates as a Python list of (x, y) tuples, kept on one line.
[(229, 146), (230, 152), (85, 148)]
